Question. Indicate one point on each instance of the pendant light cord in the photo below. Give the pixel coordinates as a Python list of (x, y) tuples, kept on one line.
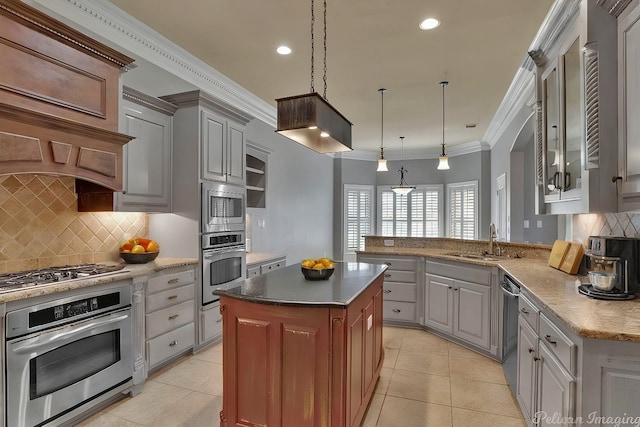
[(382, 91), (443, 84), (313, 20)]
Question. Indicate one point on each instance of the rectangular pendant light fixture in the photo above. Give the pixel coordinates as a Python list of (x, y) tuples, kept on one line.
[(311, 121)]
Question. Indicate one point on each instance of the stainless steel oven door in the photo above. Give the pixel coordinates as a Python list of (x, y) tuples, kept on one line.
[(223, 207), (222, 267), (51, 372)]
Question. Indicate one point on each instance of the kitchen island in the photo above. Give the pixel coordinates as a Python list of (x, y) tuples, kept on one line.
[(303, 353)]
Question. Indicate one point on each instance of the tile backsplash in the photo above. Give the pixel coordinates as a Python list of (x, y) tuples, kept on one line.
[(626, 224), (40, 225)]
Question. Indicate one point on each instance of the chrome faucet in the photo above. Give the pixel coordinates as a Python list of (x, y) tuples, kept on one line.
[(492, 237)]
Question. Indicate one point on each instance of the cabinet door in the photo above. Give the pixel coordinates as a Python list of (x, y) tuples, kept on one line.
[(620, 392), (147, 160), (527, 355), (471, 311), (438, 304), (213, 147), (556, 392), (235, 154)]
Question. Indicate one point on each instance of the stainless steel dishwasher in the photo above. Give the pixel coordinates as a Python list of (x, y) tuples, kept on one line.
[(510, 291)]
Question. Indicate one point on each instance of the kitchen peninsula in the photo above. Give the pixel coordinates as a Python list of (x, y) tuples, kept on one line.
[(303, 353)]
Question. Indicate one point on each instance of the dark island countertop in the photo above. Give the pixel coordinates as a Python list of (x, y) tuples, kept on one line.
[(287, 286)]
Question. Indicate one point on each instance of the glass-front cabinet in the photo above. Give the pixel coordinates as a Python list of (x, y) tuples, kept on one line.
[(576, 101)]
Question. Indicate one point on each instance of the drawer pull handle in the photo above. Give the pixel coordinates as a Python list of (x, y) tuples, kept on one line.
[(387, 291), (173, 343), (172, 297), (219, 320), (531, 350), (172, 281), (524, 311), (395, 310), (387, 275), (549, 340), (173, 317), (388, 264)]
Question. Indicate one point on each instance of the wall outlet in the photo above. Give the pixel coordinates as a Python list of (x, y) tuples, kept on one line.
[(526, 223), (388, 242), (539, 223), (261, 223)]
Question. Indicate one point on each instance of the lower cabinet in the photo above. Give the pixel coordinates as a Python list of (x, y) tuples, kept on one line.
[(210, 322), (264, 265), (546, 388), (169, 315)]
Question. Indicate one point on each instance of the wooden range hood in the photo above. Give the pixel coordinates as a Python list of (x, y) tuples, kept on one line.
[(59, 98)]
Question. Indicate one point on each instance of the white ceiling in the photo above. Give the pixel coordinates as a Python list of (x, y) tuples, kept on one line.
[(370, 44)]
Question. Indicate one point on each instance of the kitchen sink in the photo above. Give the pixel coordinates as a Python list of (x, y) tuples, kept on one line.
[(482, 257)]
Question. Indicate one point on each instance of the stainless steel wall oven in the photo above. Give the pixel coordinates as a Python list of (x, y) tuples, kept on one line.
[(223, 262), (66, 352)]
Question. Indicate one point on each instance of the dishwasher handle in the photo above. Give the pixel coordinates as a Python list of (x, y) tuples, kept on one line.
[(507, 289)]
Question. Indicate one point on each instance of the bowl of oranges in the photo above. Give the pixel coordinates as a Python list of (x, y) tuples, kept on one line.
[(139, 250), (317, 269)]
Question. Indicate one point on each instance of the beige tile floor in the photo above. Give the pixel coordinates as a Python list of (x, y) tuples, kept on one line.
[(425, 381)]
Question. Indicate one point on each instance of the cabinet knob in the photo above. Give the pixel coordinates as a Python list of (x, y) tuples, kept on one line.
[(531, 350), (387, 291), (387, 275), (388, 264), (219, 320), (395, 310), (173, 281), (455, 289), (536, 358), (450, 287), (549, 340), (524, 311), (173, 317), (173, 343)]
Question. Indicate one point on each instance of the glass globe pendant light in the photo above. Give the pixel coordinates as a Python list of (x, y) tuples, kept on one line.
[(443, 163), (382, 162), (403, 188)]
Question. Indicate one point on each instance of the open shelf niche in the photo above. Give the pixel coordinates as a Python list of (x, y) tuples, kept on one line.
[(256, 176)]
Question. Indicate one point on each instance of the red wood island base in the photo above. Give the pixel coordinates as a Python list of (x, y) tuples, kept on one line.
[(299, 353)]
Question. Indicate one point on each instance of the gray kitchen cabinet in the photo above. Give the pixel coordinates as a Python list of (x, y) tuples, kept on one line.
[(546, 388), (576, 112), (258, 264), (223, 147), (458, 301), (211, 323), (628, 107), (400, 288), (147, 158), (459, 308), (169, 315)]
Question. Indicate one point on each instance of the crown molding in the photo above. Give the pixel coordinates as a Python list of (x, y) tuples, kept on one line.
[(120, 30), (614, 7)]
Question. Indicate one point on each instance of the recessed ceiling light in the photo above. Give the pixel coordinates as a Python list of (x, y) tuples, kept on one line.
[(429, 24), (283, 50)]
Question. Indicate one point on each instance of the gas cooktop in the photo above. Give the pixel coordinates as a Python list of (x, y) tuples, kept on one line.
[(24, 279)]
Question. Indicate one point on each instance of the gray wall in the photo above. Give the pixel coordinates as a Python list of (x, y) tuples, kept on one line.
[(298, 215)]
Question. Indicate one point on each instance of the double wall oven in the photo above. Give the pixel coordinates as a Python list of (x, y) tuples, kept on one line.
[(222, 238), (67, 352)]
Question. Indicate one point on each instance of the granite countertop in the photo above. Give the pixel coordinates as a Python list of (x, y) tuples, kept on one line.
[(260, 257), (128, 272), (552, 289), (287, 286)]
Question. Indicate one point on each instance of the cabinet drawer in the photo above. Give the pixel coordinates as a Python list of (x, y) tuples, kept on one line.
[(400, 276), (271, 266), (393, 263), (171, 280), (529, 312), (394, 291), (558, 343), (168, 318), (170, 344), (211, 321), (169, 297), (253, 272), (394, 310)]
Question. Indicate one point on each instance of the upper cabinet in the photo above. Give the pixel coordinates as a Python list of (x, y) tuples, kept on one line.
[(147, 159), (628, 107), (256, 176), (220, 131), (576, 110)]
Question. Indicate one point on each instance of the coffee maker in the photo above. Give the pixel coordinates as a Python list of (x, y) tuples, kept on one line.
[(619, 255)]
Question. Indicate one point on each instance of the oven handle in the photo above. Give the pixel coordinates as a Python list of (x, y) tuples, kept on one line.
[(46, 338), (208, 253), (506, 290)]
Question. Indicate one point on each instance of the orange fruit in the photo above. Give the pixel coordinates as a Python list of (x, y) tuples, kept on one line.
[(319, 266), (308, 263), (153, 246), (126, 247), (137, 249), (325, 261)]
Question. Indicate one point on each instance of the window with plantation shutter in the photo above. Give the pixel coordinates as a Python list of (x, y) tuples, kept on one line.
[(463, 210), (418, 214), (358, 220)]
